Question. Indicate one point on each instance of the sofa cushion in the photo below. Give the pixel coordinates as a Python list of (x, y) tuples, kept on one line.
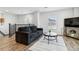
[(33, 36), (21, 29), (33, 28), (24, 29)]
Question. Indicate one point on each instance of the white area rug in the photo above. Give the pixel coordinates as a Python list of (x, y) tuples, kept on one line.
[(42, 45)]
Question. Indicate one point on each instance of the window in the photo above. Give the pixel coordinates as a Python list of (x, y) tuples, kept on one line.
[(52, 23)]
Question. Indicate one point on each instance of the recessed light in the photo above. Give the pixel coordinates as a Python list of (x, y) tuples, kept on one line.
[(6, 10), (45, 7), (30, 10)]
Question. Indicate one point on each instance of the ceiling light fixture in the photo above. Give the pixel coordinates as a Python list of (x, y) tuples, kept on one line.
[(6, 10), (30, 10), (45, 7)]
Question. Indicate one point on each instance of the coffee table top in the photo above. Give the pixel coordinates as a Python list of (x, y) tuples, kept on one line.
[(51, 34)]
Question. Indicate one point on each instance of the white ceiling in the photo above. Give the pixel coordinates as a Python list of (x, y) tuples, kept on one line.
[(25, 10)]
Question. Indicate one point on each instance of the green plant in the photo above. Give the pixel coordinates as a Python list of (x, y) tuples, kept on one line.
[(49, 30)]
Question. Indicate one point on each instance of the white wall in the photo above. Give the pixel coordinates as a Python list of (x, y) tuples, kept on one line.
[(32, 18), (60, 16), (76, 12), (14, 19), (39, 19), (36, 18), (24, 19), (35, 21), (8, 18)]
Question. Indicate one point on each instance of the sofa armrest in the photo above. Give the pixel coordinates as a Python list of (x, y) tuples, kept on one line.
[(20, 32), (39, 28), (22, 37)]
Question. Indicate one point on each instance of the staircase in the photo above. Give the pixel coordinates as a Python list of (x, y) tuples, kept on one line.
[(2, 33), (4, 30)]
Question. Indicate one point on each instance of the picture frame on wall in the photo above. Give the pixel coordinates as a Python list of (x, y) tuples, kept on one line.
[(1, 20)]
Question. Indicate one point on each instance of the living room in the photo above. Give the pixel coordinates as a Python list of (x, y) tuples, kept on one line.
[(41, 17)]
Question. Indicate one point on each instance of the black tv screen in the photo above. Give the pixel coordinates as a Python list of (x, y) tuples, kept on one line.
[(71, 22)]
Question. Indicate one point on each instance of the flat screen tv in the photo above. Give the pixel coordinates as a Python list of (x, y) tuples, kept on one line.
[(71, 22)]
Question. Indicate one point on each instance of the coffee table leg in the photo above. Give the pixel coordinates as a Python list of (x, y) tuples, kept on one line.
[(56, 38), (44, 38), (48, 39)]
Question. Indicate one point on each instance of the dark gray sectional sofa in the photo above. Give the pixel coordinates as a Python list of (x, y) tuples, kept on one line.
[(27, 35)]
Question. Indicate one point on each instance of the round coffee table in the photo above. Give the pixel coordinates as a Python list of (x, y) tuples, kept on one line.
[(50, 34)]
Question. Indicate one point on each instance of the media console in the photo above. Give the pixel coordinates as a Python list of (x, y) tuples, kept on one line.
[(71, 27)]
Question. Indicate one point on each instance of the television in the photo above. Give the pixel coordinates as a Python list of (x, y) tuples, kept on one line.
[(71, 22)]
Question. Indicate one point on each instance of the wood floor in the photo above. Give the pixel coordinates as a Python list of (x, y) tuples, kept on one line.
[(72, 44), (9, 44)]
